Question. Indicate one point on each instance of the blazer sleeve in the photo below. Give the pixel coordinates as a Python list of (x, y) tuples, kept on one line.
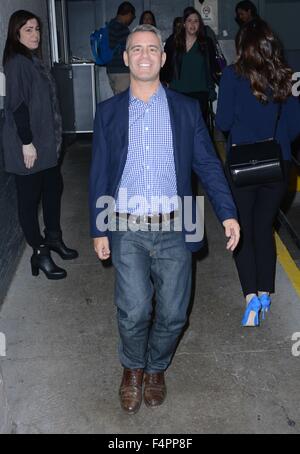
[(226, 101), (209, 170), (99, 177)]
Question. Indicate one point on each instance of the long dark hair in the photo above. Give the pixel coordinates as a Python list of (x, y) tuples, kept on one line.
[(247, 5), (260, 59), (13, 46), (180, 41), (143, 15)]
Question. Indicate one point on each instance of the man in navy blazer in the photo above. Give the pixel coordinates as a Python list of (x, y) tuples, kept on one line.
[(147, 141)]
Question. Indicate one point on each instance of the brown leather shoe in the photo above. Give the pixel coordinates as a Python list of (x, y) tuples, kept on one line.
[(155, 390), (131, 390)]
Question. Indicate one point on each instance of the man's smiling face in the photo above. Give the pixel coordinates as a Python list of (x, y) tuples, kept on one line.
[(144, 56)]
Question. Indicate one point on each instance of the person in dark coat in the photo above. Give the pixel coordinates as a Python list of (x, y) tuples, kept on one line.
[(245, 12), (32, 142), (167, 71)]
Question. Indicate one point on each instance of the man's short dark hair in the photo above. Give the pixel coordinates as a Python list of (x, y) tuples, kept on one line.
[(126, 8), (246, 5)]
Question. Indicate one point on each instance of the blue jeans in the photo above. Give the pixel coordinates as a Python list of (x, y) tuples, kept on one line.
[(148, 262)]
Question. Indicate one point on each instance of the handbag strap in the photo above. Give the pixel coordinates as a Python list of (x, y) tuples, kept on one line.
[(277, 119)]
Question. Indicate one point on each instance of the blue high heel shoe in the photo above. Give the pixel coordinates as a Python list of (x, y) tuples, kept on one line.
[(251, 315), (265, 301)]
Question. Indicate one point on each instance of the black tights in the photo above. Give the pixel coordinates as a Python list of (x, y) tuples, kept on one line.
[(47, 186)]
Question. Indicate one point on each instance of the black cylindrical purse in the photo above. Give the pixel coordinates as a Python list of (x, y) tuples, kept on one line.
[(258, 162)]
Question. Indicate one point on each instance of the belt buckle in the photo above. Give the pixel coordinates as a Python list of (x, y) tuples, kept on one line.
[(155, 219)]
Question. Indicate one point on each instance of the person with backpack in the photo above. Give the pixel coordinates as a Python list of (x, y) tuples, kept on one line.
[(118, 73)]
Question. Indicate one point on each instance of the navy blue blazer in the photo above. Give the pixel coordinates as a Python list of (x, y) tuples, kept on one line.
[(193, 150), (248, 120)]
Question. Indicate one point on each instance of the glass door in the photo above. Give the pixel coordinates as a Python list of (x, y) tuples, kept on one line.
[(59, 36)]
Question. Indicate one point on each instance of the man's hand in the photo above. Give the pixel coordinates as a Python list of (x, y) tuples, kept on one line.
[(101, 246), (29, 154), (232, 231)]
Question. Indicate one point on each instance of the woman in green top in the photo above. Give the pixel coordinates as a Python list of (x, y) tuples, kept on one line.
[(191, 62)]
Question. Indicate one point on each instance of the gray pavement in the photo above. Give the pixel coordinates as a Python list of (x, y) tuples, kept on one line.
[(61, 373)]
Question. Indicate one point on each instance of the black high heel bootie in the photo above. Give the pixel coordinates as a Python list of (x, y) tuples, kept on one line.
[(42, 260), (55, 243)]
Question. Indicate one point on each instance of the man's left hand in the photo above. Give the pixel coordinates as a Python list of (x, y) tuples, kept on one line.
[(232, 231)]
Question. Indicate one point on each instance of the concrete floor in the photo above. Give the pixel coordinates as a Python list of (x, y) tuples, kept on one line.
[(62, 374)]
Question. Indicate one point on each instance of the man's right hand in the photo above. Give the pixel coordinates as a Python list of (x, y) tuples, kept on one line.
[(101, 246), (30, 155)]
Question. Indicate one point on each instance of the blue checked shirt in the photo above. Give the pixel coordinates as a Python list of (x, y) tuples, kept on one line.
[(149, 179)]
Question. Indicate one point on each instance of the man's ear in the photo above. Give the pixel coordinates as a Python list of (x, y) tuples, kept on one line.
[(163, 59), (125, 58)]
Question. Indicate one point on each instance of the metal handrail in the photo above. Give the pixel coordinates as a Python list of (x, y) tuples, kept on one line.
[(293, 234), (295, 161), (282, 218)]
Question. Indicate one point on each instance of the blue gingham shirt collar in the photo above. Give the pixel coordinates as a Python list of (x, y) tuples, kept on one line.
[(158, 95)]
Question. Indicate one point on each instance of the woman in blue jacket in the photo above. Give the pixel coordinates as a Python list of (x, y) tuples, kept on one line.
[(251, 92)]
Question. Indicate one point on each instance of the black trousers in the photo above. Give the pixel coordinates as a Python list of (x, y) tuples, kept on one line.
[(47, 186), (255, 256)]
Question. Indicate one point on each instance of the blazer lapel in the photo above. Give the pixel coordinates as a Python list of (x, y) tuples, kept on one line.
[(122, 125), (174, 110)]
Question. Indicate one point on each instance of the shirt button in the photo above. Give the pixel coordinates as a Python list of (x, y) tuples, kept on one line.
[(148, 167), (147, 110), (146, 129)]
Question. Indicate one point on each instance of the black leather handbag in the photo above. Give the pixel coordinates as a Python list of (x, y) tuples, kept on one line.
[(258, 162)]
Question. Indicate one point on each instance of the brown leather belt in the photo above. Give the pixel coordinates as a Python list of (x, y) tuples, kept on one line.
[(147, 219)]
